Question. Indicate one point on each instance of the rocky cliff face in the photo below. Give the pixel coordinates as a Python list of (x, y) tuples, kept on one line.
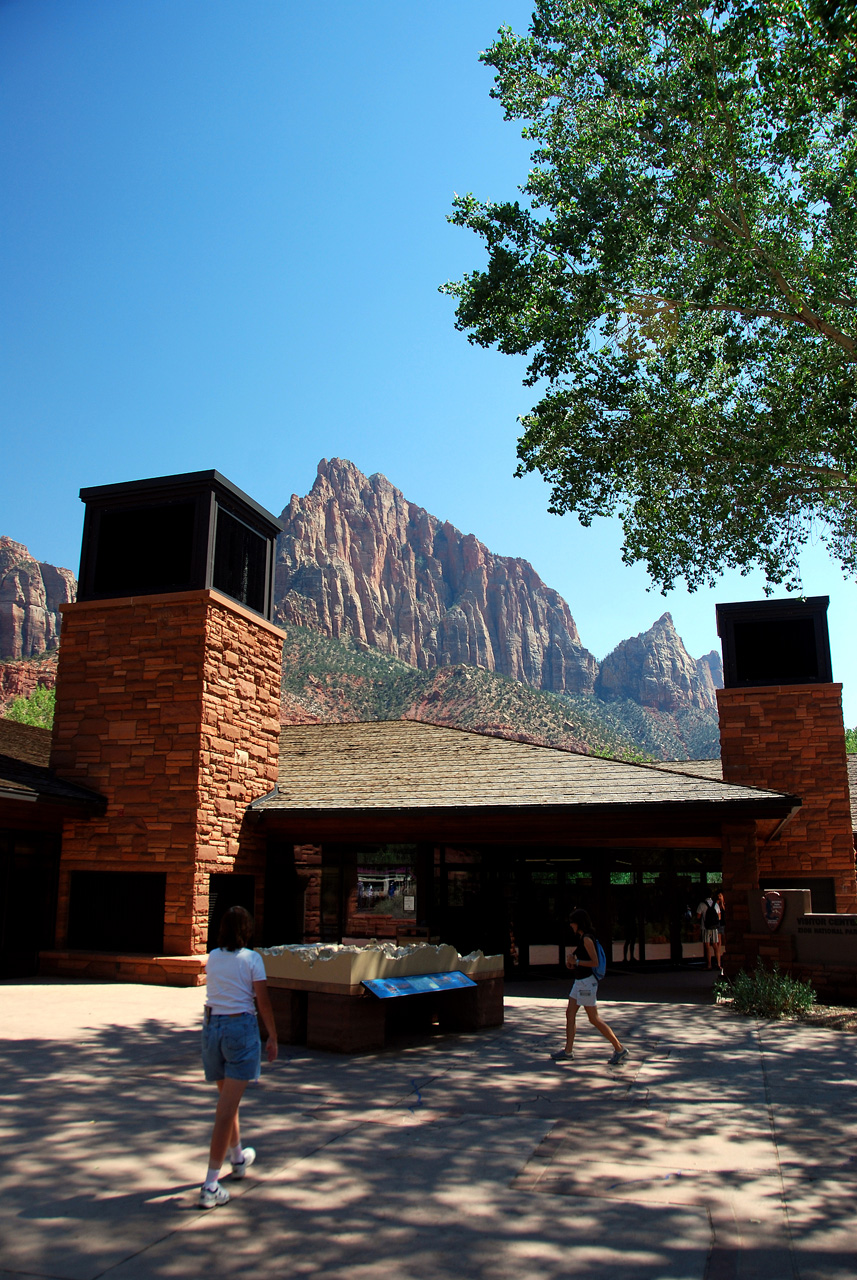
[(19, 679), (358, 561), (655, 670), (30, 596)]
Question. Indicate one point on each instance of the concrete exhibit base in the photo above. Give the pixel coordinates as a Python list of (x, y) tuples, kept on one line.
[(319, 1000), (162, 971)]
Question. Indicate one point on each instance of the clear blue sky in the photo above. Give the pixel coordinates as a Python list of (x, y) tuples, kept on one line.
[(224, 225)]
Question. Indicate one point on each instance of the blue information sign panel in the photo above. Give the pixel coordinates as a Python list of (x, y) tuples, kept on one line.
[(417, 985)]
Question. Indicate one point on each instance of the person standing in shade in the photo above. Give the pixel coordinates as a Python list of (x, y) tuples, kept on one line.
[(708, 915), (721, 927), (231, 1049), (584, 992)]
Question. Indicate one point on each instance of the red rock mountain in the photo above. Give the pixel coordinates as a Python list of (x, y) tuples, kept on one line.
[(30, 596), (358, 561), (655, 670)]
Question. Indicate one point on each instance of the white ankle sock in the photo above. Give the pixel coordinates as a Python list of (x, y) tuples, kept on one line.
[(211, 1179), (236, 1154)]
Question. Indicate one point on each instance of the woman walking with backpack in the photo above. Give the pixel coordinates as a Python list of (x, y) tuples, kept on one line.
[(584, 992)]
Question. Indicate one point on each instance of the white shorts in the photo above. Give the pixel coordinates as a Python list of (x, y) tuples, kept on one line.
[(585, 991)]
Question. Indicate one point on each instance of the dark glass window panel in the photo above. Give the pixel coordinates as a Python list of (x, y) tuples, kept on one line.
[(145, 550), (226, 890), (240, 561), (781, 651), (117, 911)]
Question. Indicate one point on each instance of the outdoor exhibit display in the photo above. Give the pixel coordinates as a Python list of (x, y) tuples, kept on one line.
[(340, 996)]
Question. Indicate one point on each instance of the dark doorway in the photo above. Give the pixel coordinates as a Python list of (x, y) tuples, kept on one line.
[(283, 912), (29, 875), (225, 891)]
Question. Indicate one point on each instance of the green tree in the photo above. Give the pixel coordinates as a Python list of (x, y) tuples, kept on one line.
[(37, 708), (851, 741), (682, 272)]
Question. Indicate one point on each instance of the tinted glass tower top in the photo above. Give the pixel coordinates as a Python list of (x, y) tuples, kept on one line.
[(767, 642), (177, 533)]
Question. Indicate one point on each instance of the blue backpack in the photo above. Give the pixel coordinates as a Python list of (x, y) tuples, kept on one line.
[(601, 968)]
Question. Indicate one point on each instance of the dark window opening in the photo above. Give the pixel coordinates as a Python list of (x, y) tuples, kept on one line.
[(240, 561), (777, 652), (119, 911), (822, 888), (224, 891), (144, 551), (29, 876), (775, 642)]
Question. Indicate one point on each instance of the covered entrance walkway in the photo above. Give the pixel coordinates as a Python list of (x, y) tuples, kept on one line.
[(403, 829)]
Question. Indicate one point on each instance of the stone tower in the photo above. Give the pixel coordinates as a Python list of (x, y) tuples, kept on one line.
[(168, 705), (781, 727)]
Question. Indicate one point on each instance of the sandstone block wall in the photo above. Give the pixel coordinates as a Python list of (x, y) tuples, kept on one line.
[(791, 738), (740, 876), (169, 707), (308, 867)]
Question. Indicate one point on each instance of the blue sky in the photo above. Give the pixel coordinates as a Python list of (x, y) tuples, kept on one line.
[(224, 226)]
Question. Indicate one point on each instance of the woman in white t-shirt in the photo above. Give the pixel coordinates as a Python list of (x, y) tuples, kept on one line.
[(231, 1049)]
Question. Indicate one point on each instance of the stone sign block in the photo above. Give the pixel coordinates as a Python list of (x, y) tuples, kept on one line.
[(827, 939)]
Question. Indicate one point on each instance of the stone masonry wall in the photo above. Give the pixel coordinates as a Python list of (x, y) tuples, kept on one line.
[(791, 738), (167, 706), (308, 867), (740, 875)]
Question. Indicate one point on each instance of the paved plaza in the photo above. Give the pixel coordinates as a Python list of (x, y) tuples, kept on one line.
[(723, 1150)]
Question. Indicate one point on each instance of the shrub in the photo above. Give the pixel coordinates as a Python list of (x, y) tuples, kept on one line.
[(766, 993), (37, 709)]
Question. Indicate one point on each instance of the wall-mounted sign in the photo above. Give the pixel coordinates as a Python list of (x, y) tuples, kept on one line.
[(408, 903), (773, 908)]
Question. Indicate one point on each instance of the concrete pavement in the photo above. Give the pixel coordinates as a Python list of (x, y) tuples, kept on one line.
[(723, 1150)]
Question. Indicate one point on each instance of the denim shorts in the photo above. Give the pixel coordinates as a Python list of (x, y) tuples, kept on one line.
[(231, 1047)]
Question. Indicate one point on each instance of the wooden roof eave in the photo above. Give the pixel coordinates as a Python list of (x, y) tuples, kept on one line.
[(575, 823)]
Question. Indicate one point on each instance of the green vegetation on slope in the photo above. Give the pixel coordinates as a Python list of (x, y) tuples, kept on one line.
[(329, 680), (37, 709)]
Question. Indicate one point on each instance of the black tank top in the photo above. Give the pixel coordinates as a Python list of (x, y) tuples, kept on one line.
[(586, 970)]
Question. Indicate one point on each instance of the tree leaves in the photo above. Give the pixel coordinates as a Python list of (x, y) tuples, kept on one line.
[(681, 272)]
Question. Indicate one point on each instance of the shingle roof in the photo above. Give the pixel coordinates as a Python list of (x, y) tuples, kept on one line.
[(24, 754), (713, 769), (25, 742), (698, 768), (407, 764)]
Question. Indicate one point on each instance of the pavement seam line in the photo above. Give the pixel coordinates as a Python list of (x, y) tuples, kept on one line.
[(770, 1110)]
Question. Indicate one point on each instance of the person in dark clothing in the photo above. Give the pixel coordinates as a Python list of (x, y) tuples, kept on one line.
[(584, 992)]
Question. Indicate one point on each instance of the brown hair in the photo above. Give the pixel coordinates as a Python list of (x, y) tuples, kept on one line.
[(581, 917), (236, 929)]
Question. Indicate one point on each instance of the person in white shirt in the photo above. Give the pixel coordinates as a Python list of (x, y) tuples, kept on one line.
[(231, 1049)]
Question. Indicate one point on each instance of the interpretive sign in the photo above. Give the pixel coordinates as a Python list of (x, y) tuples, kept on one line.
[(418, 984)]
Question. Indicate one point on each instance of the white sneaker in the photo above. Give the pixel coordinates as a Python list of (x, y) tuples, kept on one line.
[(211, 1199), (239, 1170)]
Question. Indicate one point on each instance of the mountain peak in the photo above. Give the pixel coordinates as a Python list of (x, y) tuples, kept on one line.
[(358, 561)]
